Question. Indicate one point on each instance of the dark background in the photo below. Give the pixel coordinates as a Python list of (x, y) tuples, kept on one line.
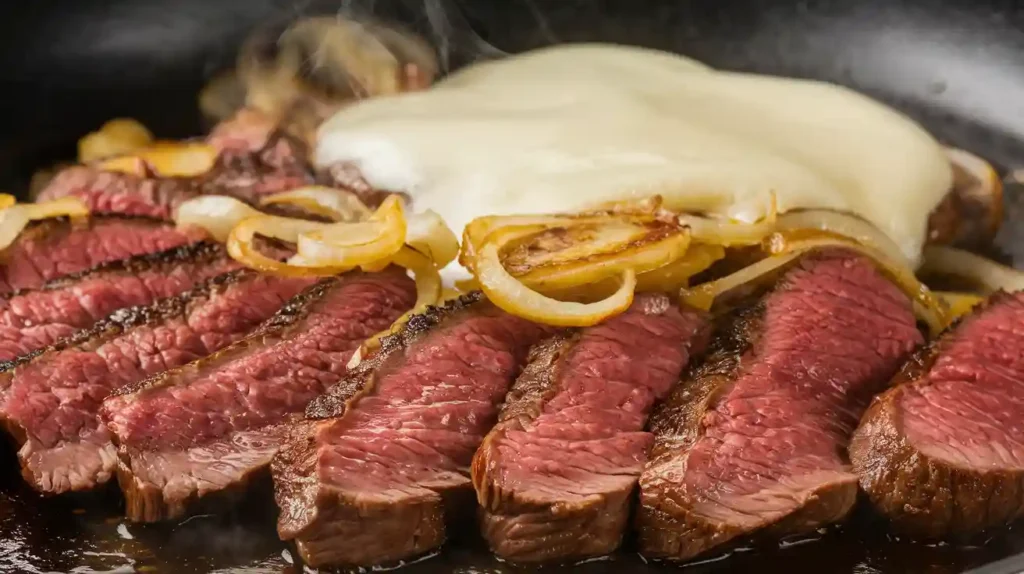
[(68, 65)]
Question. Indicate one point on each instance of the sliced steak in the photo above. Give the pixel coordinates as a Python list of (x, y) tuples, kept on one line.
[(52, 405), (383, 460), (34, 319), (555, 477), (278, 166), (752, 442), (941, 454), (54, 248), (211, 427)]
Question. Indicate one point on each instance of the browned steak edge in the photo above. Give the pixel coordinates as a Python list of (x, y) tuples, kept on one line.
[(923, 497)]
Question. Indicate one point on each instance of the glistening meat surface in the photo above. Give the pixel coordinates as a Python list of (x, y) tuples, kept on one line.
[(52, 406), (383, 462), (52, 249), (754, 440), (204, 431), (34, 319), (555, 477), (942, 453)]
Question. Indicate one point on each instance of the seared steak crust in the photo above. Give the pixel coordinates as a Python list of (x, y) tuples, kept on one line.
[(752, 441), (555, 477), (204, 431), (52, 406), (57, 247), (941, 454), (382, 463), (33, 319)]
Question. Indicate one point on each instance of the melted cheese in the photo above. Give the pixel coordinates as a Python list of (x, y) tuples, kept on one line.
[(561, 128)]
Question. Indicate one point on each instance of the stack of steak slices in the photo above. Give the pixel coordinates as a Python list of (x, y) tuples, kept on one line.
[(753, 441), (255, 162), (54, 248), (941, 454), (31, 320), (382, 463), (555, 478), (201, 433), (52, 405)]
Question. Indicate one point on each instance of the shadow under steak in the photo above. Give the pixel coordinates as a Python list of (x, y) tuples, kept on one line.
[(52, 405), (382, 463), (555, 477), (202, 432), (941, 454), (753, 440)]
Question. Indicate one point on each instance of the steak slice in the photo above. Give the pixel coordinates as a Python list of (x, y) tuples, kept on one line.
[(34, 319), (383, 461), (211, 427), (54, 248), (555, 477), (279, 165), (52, 406), (752, 442), (941, 454)]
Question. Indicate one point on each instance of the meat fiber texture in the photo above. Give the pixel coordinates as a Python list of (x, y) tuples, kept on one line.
[(51, 249), (941, 454), (254, 160), (382, 465), (555, 478), (52, 406), (753, 442), (198, 436), (34, 319)]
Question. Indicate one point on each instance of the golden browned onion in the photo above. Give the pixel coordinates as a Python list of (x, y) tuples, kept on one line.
[(984, 274), (334, 204), (170, 159), (959, 304), (15, 216), (116, 137)]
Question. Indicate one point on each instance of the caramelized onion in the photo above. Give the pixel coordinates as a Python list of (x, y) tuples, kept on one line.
[(427, 233), (846, 225), (958, 304), (985, 274), (241, 245), (730, 233), (334, 204), (16, 216), (217, 214), (349, 245), (116, 137)]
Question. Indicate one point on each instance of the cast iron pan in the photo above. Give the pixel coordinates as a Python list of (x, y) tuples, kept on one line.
[(68, 65)]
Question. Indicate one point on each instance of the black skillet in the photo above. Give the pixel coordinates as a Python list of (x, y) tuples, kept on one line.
[(68, 65)]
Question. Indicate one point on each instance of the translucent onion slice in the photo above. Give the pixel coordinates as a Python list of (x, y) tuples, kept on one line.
[(217, 214), (730, 233), (241, 247), (959, 304), (676, 275), (350, 245), (928, 307), (846, 225), (427, 233), (513, 296), (429, 292), (334, 204), (984, 273), (15, 217), (7, 200), (783, 249)]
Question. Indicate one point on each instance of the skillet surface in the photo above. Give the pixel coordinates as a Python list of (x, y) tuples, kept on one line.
[(68, 65)]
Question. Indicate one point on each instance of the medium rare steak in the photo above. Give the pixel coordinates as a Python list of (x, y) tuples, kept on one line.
[(52, 406), (31, 320), (753, 440), (212, 426), (555, 477), (941, 454), (54, 248), (383, 461), (278, 166)]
